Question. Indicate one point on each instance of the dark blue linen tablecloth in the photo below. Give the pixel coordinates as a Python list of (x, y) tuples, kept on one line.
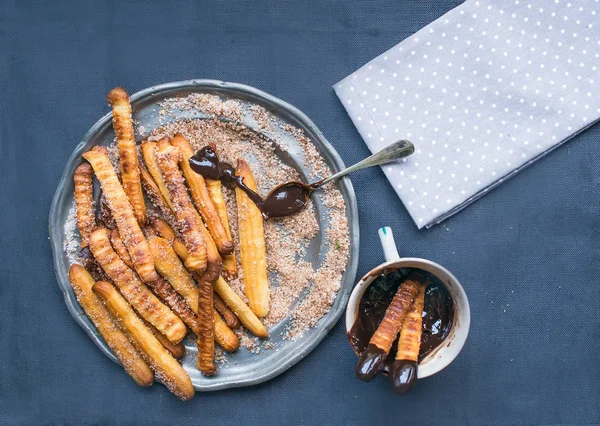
[(527, 253)]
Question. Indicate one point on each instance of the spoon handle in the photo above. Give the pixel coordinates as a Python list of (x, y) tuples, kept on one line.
[(395, 151)]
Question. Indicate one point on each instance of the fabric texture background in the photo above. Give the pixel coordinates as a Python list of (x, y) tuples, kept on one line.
[(527, 253), (484, 91)]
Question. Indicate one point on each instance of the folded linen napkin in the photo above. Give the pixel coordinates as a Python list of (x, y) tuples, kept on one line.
[(483, 92)]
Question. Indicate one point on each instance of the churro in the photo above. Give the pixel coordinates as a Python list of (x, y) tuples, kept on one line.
[(185, 213), (121, 210), (403, 371), (167, 369), (241, 310), (136, 293), (252, 245), (118, 99), (84, 202), (149, 154), (131, 360)]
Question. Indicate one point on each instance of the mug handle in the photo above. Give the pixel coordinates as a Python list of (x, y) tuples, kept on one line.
[(386, 236)]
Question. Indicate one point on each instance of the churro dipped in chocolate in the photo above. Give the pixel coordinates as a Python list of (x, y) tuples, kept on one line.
[(252, 244), (372, 360), (131, 360), (84, 202), (121, 210), (118, 99), (185, 213), (136, 293), (403, 371), (167, 369), (201, 197)]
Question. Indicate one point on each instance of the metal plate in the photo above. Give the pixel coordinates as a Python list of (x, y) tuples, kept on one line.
[(243, 368)]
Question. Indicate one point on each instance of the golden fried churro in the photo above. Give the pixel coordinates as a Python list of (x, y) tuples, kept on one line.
[(243, 312), (224, 336), (121, 209), (178, 350), (229, 261), (167, 369), (185, 213), (403, 371), (410, 334), (118, 99), (169, 266), (136, 293), (373, 358), (230, 319), (252, 245), (116, 340), (149, 154), (84, 202), (117, 244), (201, 197)]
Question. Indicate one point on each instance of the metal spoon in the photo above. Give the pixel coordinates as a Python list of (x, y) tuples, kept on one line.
[(290, 197)]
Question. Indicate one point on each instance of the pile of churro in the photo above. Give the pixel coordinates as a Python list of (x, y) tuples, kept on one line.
[(148, 280)]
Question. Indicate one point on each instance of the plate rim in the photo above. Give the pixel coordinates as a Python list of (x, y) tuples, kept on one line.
[(330, 319)]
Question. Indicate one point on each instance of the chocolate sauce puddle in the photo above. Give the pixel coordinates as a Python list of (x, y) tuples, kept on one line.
[(438, 314), (284, 200)]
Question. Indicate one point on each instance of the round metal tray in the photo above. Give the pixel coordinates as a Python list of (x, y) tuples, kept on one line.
[(242, 368)]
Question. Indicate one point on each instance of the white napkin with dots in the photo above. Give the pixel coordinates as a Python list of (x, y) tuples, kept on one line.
[(482, 92)]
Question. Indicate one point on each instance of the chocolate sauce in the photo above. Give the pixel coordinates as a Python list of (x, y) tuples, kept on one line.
[(438, 313), (206, 163), (284, 200)]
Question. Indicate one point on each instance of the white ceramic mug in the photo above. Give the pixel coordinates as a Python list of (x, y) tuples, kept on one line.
[(445, 353)]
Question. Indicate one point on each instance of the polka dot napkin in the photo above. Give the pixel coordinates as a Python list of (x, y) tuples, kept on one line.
[(482, 92)]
